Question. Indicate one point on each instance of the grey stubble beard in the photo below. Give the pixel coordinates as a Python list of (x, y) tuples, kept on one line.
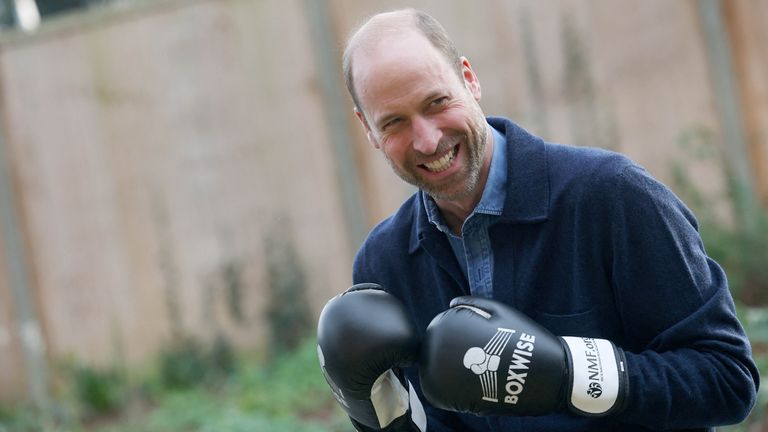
[(475, 150)]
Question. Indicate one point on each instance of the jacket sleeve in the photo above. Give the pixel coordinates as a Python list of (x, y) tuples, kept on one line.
[(690, 362)]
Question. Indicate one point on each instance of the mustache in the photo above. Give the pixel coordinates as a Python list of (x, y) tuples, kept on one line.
[(444, 144)]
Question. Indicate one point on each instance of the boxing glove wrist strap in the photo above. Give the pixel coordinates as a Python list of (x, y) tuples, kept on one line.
[(392, 399), (599, 377)]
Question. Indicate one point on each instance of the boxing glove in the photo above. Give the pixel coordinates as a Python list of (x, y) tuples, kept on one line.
[(364, 337), (483, 357)]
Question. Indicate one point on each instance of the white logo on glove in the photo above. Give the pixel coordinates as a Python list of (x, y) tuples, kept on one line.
[(484, 362), (334, 388)]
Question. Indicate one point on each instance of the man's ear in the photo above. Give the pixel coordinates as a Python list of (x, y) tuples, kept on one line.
[(470, 79), (368, 132)]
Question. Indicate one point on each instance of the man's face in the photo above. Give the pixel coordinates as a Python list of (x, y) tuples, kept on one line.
[(421, 115)]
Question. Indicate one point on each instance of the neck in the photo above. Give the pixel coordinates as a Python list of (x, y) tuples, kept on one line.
[(457, 211)]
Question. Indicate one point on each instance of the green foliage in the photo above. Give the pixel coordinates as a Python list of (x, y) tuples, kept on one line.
[(201, 411), (288, 312), (287, 394), (188, 409), (20, 420), (222, 357), (187, 362), (183, 364), (232, 276), (98, 391), (291, 383)]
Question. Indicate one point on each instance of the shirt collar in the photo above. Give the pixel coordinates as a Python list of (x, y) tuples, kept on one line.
[(492, 201)]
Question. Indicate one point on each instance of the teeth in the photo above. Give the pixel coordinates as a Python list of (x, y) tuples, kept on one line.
[(443, 163)]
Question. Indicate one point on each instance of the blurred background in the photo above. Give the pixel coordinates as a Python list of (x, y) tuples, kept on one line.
[(183, 183)]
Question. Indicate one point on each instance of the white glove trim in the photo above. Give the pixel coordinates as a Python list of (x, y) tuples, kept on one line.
[(418, 416), (596, 374), (389, 398)]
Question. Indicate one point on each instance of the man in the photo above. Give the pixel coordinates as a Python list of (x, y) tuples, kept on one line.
[(547, 240)]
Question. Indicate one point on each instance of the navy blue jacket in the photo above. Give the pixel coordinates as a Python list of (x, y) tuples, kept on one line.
[(589, 244)]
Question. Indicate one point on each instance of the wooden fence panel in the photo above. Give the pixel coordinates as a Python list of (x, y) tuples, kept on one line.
[(163, 158)]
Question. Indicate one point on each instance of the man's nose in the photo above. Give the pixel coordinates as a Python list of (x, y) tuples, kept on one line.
[(426, 135)]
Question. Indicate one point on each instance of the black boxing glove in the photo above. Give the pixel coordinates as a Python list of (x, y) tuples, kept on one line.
[(364, 336), (484, 357)]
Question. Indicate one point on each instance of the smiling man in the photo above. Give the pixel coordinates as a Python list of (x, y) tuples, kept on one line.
[(527, 286), (421, 111)]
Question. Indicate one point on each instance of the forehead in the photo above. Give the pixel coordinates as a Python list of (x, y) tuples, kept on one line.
[(399, 66)]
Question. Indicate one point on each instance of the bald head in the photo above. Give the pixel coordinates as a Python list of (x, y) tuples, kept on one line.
[(383, 27)]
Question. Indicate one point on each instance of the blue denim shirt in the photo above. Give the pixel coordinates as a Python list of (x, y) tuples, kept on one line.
[(473, 249), (588, 244)]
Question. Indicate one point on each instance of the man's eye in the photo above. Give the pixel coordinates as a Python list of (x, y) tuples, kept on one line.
[(390, 123), (440, 100)]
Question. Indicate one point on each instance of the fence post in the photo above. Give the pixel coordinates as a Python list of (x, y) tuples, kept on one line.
[(728, 105), (328, 70), (15, 248)]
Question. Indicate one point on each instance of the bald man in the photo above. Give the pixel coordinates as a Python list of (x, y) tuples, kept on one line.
[(537, 241)]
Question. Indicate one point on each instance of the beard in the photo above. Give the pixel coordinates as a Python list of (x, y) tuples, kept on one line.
[(461, 184)]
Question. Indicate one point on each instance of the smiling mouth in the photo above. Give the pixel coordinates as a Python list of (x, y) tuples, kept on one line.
[(443, 163)]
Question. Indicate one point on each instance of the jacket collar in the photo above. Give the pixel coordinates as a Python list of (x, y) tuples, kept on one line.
[(527, 174), (527, 198)]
